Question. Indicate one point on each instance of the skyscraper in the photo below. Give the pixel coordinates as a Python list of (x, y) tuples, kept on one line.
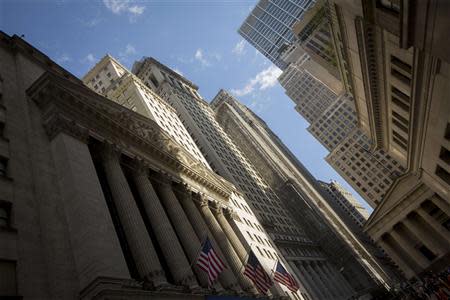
[(298, 190), (227, 160), (345, 204), (268, 26), (310, 95), (126, 89), (99, 201)]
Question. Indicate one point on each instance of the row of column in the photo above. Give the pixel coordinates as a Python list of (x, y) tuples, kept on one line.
[(419, 227), (322, 280), (178, 225)]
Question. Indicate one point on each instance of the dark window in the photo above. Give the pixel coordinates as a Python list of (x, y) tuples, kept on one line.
[(5, 214), (3, 166), (8, 286), (427, 253), (443, 174)]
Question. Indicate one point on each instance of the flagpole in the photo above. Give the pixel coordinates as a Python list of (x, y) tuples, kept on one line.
[(273, 269)]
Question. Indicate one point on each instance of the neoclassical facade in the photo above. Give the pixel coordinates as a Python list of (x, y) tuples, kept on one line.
[(400, 73), (97, 201)]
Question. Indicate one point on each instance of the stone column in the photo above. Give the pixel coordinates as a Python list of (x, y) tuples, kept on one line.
[(441, 203), (183, 227), (409, 249), (399, 260), (317, 289), (319, 281), (329, 280), (425, 235), (340, 279), (226, 278), (310, 290), (233, 259), (96, 248), (229, 232), (438, 228), (139, 241), (164, 233)]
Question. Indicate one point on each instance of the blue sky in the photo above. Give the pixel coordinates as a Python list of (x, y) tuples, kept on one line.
[(197, 38)]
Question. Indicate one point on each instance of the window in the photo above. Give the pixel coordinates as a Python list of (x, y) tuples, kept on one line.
[(5, 214), (3, 166), (8, 286)]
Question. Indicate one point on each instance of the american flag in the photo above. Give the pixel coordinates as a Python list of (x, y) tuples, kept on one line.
[(210, 262), (256, 273), (283, 277)]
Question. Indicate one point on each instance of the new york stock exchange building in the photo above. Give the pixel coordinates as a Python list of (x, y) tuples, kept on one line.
[(98, 202)]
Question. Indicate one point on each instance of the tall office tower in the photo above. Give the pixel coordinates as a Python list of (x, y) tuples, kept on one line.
[(109, 78), (299, 191), (399, 69), (268, 26), (370, 172), (311, 96), (125, 88), (345, 204), (313, 34), (227, 160), (101, 202), (335, 123)]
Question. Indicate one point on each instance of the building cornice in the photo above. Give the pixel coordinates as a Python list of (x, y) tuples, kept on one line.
[(79, 112)]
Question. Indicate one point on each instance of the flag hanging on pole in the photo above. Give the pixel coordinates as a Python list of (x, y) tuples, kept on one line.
[(210, 262), (256, 273), (282, 276)]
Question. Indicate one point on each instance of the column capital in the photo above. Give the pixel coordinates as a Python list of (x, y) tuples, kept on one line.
[(58, 124), (202, 200), (164, 179), (110, 151), (140, 166)]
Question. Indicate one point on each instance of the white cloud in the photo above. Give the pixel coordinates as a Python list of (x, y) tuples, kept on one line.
[(89, 59), (201, 58), (124, 6), (136, 10), (265, 79), (205, 59), (239, 48), (129, 49), (125, 54), (63, 58), (91, 23)]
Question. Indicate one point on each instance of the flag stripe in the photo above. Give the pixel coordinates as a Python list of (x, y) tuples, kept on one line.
[(209, 262), (256, 273), (282, 276)]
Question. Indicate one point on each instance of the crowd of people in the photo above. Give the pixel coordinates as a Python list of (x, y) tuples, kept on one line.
[(431, 286)]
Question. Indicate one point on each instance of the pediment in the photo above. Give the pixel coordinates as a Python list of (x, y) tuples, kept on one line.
[(400, 198)]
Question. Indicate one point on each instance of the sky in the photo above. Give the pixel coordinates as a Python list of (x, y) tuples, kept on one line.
[(197, 38)]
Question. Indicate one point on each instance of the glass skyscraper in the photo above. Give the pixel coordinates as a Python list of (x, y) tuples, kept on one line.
[(269, 26)]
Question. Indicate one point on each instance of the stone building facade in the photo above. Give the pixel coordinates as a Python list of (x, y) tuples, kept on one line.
[(300, 192), (100, 202), (400, 70), (227, 160), (133, 93), (354, 212)]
